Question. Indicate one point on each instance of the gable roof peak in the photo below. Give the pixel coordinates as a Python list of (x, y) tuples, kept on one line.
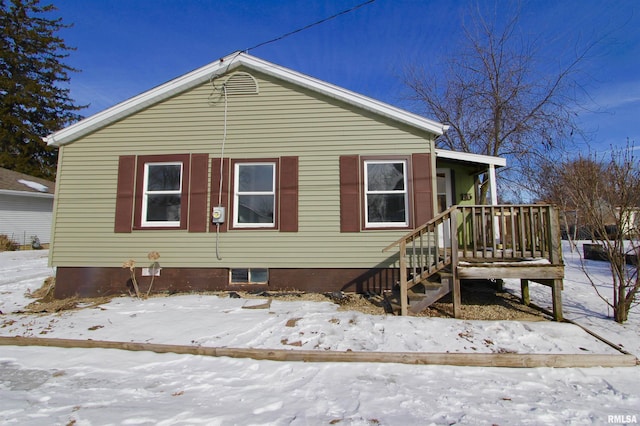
[(223, 66)]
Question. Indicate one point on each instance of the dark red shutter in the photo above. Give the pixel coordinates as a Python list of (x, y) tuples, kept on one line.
[(349, 193), (422, 188), (215, 190), (124, 194), (198, 216), (288, 194)]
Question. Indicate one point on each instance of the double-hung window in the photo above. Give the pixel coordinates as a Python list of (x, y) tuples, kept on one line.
[(162, 194), (254, 195), (386, 196)]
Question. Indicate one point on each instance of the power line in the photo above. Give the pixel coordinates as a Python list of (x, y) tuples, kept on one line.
[(311, 25)]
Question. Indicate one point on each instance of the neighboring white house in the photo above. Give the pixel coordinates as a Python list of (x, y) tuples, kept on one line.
[(26, 205)]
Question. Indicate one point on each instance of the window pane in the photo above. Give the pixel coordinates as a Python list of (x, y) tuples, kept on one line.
[(255, 178), (164, 177), (239, 275), (259, 275), (162, 207), (385, 176), (386, 208), (255, 209)]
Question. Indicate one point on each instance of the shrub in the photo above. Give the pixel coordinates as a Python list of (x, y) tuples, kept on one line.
[(7, 244)]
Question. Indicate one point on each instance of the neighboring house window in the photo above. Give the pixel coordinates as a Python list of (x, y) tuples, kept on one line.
[(385, 191), (254, 195), (162, 194)]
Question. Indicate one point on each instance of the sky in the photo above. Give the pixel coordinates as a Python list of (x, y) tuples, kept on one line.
[(126, 47)]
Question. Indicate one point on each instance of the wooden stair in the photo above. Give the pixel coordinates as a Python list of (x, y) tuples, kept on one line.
[(422, 295), (491, 239)]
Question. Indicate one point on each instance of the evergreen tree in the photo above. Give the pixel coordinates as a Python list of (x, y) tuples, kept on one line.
[(34, 101)]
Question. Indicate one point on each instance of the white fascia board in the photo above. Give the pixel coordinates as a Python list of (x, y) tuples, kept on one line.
[(25, 193), (471, 158), (135, 104), (224, 65)]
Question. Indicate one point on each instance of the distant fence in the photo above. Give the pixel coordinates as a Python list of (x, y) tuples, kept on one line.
[(26, 241)]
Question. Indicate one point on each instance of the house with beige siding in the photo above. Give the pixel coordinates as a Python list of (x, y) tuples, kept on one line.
[(247, 175)]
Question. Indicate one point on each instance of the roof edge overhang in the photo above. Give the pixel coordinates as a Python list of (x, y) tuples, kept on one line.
[(467, 157), (223, 66), (26, 193)]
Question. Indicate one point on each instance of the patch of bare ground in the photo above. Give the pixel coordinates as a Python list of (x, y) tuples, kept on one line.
[(480, 301)]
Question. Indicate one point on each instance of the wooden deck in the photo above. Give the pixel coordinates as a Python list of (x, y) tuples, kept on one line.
[(492, 242)]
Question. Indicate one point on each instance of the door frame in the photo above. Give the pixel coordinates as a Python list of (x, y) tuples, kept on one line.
[(444, 237)]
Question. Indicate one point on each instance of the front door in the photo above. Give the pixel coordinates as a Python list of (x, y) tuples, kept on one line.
[(444, 200)]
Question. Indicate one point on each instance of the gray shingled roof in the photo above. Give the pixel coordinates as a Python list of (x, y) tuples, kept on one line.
[(16, 181)]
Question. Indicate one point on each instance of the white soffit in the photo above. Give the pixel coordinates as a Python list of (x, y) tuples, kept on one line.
[(471, 158), (224, 65)]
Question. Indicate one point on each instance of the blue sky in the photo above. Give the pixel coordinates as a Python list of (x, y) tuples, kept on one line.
[(125, 47)]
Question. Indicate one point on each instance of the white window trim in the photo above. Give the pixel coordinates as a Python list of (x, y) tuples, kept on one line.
[(145, 192), (236, 194), (405, 192)]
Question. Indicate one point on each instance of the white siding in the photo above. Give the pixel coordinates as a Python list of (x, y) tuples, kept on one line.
[(22, 217)]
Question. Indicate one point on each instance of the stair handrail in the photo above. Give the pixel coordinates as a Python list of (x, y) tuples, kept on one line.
[(412, 236), (407, 237)]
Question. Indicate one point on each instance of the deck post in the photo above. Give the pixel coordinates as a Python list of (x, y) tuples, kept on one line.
[(455, 281), (457, 298), (556, 294), (524, 287), (555, 246), (404, 301)]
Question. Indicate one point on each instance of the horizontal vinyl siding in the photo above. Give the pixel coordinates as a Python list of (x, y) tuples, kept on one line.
[(279, 121), (22, 217)]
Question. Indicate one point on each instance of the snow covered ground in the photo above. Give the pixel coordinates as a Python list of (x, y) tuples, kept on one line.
[(44, 386)]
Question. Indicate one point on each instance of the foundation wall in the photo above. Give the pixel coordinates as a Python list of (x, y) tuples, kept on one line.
[(104, 281)]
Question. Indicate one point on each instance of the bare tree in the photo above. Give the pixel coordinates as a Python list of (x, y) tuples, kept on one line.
[(605, 194), (494, 97)]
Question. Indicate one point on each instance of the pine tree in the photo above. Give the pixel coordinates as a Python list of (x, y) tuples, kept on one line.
[(34, 101)]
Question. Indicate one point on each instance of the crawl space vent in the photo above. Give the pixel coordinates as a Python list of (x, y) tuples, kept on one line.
[(241, 83)]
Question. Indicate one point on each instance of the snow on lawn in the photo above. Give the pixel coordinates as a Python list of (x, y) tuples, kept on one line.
[(19, 271), (43, 386), (581, 303)]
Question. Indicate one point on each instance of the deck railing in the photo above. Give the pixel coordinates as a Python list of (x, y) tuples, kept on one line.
[(492, 233), (509, 232)]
